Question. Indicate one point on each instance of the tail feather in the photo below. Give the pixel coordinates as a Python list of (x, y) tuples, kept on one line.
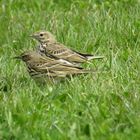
[(94, 57), (89, 56), (89, 71), (86, 71)]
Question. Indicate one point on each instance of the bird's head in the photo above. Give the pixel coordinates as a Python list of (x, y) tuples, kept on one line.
[(26, 56), (32, 57), (43, 36)]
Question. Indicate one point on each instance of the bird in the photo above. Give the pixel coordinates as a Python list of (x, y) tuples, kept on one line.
[(49, 45), (42, 66)]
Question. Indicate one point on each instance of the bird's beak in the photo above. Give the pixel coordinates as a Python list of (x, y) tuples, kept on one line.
[(33, 36), (30, 35), (17, 57)]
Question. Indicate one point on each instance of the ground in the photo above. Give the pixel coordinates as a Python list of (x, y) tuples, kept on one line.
[(101, 106)]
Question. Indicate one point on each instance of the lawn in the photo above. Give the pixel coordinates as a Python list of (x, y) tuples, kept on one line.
[(100, 106)]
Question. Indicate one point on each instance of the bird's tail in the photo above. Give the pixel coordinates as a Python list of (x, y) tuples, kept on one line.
[(86, 71), (91, 57), (89, 71)]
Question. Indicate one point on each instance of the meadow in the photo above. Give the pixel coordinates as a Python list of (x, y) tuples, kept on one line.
[(100, 106)]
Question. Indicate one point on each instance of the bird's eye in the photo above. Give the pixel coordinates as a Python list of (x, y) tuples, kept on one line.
[(41, 34)]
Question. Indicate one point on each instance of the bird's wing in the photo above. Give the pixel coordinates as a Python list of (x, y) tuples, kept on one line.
[(60, 51), (57, 50), (56, 69)]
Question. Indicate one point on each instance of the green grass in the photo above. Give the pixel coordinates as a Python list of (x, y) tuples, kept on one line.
[(105, 106)]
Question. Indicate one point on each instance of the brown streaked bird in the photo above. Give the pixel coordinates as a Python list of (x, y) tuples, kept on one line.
[(46, 67), (49, 45)]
